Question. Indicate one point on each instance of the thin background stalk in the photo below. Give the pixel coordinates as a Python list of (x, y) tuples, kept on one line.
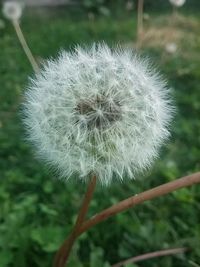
[(151, 255), (24, 45), (64, 251), (174, 12), (140, 20)]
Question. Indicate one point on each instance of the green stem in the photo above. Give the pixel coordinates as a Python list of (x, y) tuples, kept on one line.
[(24, 45)]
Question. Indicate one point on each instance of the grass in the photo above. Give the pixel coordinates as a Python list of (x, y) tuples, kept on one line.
[(37, 211)]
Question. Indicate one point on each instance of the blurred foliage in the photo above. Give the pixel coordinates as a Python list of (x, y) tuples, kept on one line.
[(96, 6), (106, 7), (37, 211)]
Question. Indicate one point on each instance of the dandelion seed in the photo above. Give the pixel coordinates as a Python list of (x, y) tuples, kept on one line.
[(99, 111)]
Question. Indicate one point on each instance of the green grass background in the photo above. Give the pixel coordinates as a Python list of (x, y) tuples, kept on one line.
[(37, 211)]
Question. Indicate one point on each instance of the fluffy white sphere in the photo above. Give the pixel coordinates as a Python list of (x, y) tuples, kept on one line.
[(177, 3), (98, 111), (12, 10)]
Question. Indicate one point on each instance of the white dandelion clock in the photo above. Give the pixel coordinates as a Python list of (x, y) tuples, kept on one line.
[(12, 10), (177, 3), (98, 111)]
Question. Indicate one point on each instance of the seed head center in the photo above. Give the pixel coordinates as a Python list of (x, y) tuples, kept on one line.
[(99, 112)]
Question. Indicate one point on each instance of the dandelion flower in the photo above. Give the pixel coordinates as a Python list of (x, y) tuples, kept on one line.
[(12, 10), (99, 111), (177, 3)]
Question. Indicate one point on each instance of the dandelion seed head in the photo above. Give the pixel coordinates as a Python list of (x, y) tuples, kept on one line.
[(177, 3), (12, 10), (98, 110)]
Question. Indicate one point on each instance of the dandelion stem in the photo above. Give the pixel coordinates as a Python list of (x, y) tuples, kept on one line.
[(174, 12), (25, 45), (140, 198), (64, 251), (151, 255), (140, 20), (81, 226)]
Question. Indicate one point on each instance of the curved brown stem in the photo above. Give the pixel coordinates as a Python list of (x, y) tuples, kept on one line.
[(81, 227), (140, 198), (151, 255), (64, 251)]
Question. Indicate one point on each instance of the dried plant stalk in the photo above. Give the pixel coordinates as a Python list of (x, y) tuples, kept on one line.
[(151, 255), (64, 251), (140, 198)]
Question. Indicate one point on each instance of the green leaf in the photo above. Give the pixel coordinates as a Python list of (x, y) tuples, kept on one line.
[(49, 238), (5, 258)]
